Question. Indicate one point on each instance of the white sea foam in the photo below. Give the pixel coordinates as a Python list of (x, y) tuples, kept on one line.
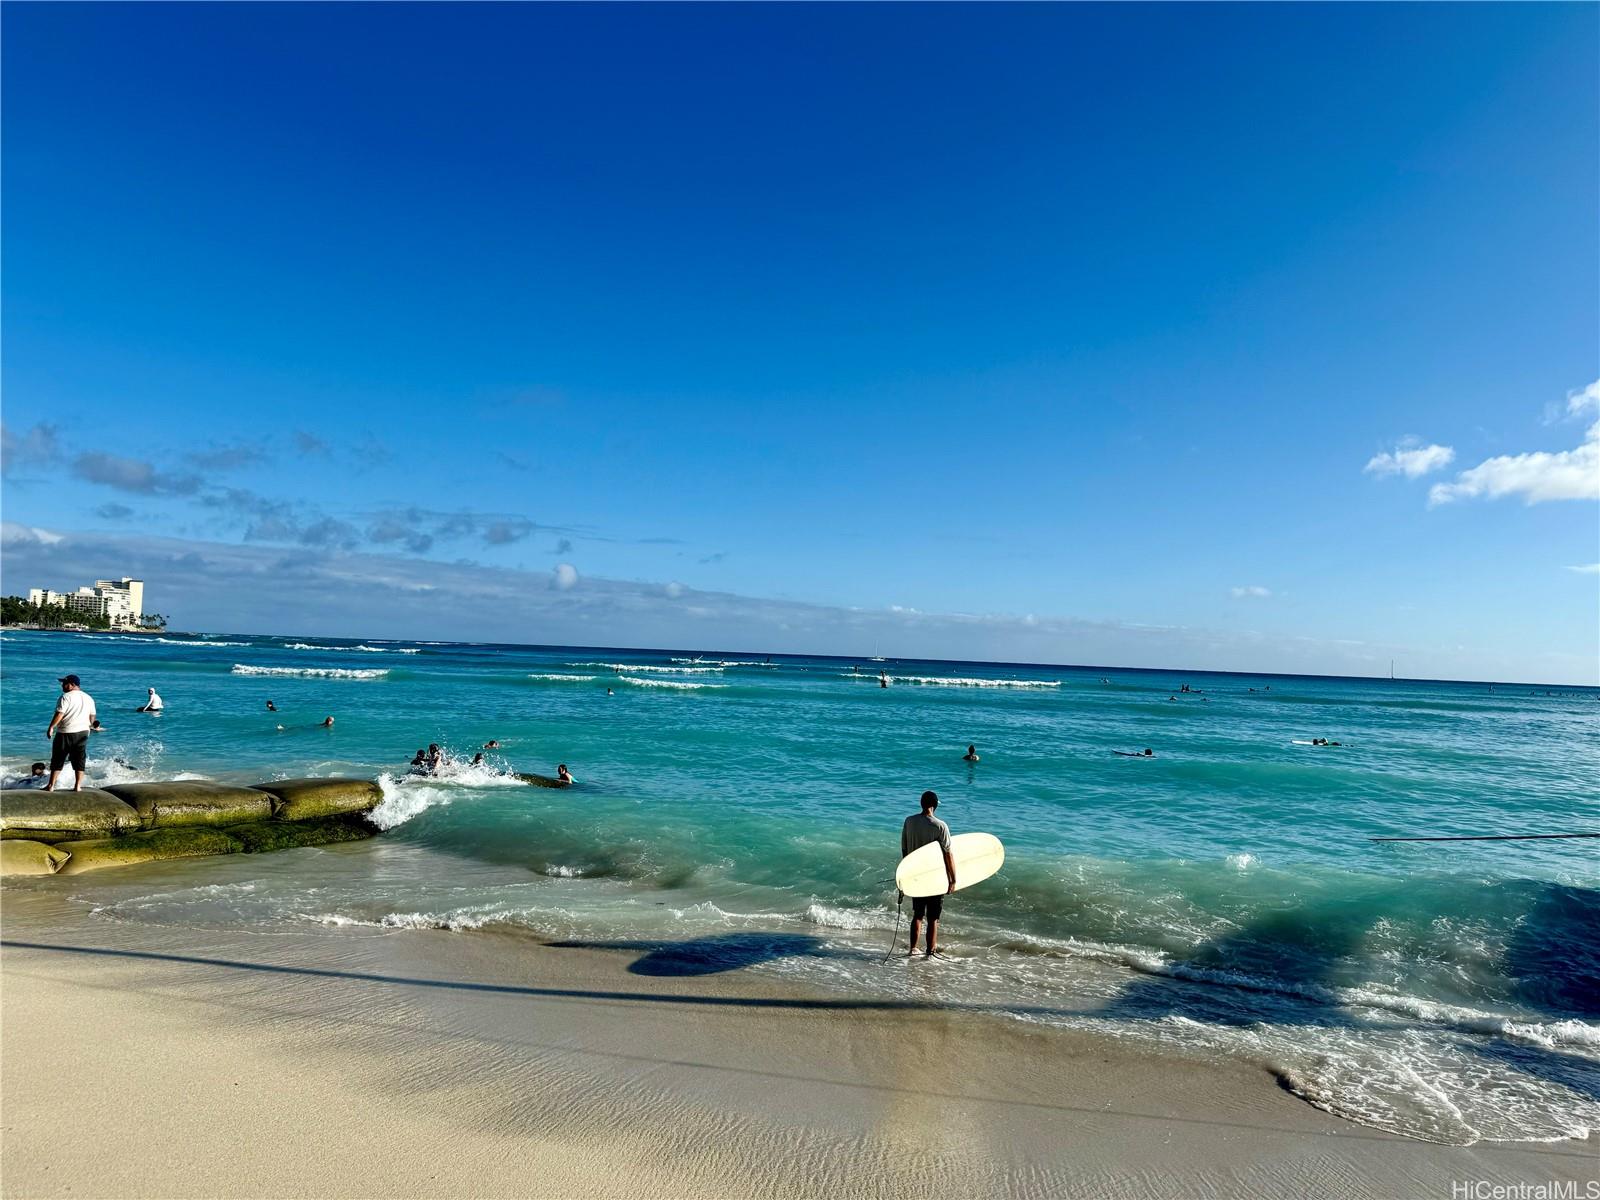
[(677, 684), (954, 681), (313, 672), (723, 662), (832, 917), (564, 678), (169, 641), (1242, 862), (641, 668), (365, 649), (403, 801)]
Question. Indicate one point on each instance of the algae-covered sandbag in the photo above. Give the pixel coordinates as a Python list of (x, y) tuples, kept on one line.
[(19, 856), (42, 816), (193, 802), (304, 799), (153, 845), (263, 836)]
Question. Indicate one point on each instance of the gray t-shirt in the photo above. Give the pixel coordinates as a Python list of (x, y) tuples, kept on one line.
[(920, 829)]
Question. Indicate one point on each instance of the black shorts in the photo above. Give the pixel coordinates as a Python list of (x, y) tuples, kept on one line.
[(926, 906), (69, 747)]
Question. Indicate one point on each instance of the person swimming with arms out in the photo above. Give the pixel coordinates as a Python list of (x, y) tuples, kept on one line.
[(1146, 753)]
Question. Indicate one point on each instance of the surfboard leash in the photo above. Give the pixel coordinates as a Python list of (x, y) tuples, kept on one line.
[(899, 904)]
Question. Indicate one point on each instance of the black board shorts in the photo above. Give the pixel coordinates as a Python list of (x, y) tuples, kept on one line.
[(927, 906), (69, 747)]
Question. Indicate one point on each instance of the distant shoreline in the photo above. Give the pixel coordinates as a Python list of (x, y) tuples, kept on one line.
[(91, 629)]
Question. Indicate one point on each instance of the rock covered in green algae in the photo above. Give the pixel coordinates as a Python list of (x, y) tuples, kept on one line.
[(193, 802), (192, 841), (151, 845), (262, 836), (18, 856), (304, 799), (42, 816)]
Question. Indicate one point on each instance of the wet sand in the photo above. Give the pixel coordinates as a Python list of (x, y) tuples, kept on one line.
[(141, 1060)]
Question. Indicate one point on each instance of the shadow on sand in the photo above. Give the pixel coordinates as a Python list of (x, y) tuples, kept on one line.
[(714, 955)]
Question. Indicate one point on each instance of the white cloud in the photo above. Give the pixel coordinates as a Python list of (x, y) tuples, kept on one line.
[(12, 533), (565, 576), (1586, 569), (1538, 475), (1410, 459), (1253, 590)]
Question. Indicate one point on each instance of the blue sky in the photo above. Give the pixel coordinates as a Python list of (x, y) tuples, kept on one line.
[(1071, 318)]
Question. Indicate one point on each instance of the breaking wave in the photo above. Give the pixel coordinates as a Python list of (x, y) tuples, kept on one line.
[(312, 672), (956, 681), (678, 684)]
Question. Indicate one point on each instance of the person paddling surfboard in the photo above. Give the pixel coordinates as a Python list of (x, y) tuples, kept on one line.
[(919, 829)]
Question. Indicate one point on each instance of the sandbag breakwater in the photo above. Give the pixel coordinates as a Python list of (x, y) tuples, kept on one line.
[(46, 833)]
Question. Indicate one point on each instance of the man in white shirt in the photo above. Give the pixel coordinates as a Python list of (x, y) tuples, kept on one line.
[(153, 704), (69, 729)]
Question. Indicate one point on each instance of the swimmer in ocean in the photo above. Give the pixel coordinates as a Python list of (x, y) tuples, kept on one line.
[(1146, 753), (971, 755), (564, 775), (271, 707)]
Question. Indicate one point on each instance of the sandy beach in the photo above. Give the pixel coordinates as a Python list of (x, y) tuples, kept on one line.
[(151, 1061)]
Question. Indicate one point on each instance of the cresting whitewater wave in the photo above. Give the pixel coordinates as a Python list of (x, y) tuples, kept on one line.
[(674, 684), (342, 649), (313, 672), (954, 681), (645, 669)]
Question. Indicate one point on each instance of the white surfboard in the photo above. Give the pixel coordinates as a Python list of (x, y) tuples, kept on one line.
[(976, 856)]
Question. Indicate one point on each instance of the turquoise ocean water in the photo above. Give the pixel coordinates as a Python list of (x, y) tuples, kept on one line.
[(740, 814)]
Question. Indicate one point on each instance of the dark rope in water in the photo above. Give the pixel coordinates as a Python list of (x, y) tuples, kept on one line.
[(899, 902), (1489, 837)]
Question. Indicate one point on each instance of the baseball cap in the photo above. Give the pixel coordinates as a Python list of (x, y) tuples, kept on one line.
[(72, 679)]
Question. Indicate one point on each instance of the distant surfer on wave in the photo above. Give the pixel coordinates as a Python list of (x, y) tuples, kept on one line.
[(920, 829)]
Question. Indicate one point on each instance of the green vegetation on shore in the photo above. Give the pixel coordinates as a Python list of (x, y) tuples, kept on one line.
[(14, 610)]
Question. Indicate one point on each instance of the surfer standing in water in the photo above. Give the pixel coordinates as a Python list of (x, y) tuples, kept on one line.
[(920, 829)]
